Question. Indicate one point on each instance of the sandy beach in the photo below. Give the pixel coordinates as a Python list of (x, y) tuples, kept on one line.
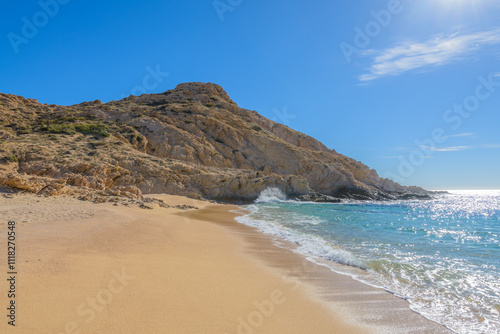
[(99, 268)]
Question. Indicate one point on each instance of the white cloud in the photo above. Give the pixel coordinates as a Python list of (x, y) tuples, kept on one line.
[(438, 51), (492, 146), (447, 149), (399, 157), (401, 149), (466, 134)]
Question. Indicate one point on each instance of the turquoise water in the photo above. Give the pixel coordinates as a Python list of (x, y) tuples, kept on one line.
[(441, 255)]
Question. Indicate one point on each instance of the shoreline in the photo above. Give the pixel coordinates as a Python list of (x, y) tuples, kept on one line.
[(101, 268), (337, 289)]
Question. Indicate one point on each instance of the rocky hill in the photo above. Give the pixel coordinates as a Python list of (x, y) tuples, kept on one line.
[(193, 140)]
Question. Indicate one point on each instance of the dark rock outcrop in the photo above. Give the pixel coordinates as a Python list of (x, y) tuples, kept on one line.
[(318, 198)]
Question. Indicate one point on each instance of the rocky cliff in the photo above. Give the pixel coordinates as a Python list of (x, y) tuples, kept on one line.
[(193, 140)]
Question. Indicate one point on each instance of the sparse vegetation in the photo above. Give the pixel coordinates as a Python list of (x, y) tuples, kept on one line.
[(24, 130), (59, 128), (71, 129), (100, 130), (72, 119)]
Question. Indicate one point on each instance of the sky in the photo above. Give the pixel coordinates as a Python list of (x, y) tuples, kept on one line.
[(410, 88)]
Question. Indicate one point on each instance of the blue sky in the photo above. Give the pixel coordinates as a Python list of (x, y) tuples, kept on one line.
[(410, 88)]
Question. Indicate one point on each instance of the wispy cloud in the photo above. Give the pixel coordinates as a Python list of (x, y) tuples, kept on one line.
[(435, 149), (466, 134), (491, 146), (443, 149), (447, 149), (400, 156), (401, 149), (438, 51)]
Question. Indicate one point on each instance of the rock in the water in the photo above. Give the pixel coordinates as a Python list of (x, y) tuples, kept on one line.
[(318, 198)]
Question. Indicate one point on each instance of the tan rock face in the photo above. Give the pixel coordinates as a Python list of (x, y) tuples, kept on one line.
[(193, 140)]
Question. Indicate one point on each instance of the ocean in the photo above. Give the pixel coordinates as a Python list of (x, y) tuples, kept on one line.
[(441, 255)]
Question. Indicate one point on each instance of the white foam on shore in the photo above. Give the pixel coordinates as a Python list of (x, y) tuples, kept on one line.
[(307, 244)]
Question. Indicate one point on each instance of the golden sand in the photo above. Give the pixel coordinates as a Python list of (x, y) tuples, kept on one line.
[(99, 268)]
